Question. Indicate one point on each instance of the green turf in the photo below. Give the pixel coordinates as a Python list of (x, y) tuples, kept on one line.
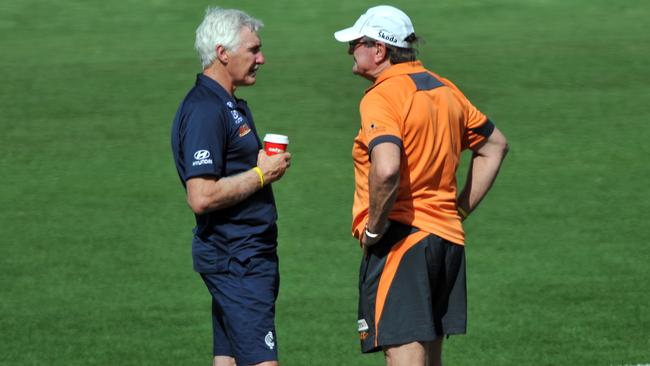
[(94, 231)]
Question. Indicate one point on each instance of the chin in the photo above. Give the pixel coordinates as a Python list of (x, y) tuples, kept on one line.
[(356, 71), (247, 82)]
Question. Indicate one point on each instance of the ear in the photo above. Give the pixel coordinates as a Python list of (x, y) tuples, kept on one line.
[(222, 54), (380, 52)]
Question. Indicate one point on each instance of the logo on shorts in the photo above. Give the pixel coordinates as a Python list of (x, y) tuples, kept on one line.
[(363, 325), (363, 336), (269, 340), (201, 157)]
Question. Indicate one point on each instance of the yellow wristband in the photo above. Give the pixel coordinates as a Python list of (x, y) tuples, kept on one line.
[(259, 172), (462, 212)]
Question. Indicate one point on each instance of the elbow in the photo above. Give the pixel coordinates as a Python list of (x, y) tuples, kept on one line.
[(500, 146), (497, 145), (505, 148), (200, 195), (388, 175), (197, 205)]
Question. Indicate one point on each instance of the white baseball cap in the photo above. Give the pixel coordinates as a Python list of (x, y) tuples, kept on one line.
[(382, 23)]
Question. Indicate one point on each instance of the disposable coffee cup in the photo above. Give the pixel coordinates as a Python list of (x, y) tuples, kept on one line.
[(274, 144)]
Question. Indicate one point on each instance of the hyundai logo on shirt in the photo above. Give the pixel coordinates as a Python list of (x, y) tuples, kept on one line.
[(201, 157)]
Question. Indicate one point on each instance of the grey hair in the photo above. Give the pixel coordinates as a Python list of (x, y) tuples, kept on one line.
[(221, 27), (398, 55)]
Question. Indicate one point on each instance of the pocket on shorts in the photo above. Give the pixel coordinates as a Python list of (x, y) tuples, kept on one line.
[(237, 267), (207, 257)]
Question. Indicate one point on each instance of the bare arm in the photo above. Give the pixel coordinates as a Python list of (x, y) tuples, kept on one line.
[(483, 170), (383, 184), (205, 194)]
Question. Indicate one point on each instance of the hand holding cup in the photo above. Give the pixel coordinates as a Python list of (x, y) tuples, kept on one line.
[(274, 160), (274, 143)]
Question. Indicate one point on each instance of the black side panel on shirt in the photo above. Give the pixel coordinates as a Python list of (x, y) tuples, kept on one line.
[(425, 81)]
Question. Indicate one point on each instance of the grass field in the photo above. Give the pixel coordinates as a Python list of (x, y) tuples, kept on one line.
[(94, 231)]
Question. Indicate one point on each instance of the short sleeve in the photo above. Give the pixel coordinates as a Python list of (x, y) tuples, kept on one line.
[(203, 142), (476, 128), (380, 122)]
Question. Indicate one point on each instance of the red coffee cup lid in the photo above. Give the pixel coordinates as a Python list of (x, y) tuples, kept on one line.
[(277, 139)]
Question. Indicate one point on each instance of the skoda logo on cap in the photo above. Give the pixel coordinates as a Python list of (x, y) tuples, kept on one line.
[(201, 154), (387, 36)]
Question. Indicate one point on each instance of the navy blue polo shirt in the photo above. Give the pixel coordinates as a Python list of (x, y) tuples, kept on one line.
[(213, 134)]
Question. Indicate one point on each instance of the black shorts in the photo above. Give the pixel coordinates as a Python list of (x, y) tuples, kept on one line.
[(411, 288), (243, 309)]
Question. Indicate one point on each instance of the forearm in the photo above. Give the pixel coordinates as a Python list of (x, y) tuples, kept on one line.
[(383, 184), (383, 192), (483, 170), (208, 195), (481, 175)]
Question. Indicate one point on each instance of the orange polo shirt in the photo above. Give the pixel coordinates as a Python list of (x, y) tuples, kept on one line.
[(432, 122)]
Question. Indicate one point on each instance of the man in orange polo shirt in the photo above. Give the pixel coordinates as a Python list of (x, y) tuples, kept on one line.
[(407, 211)]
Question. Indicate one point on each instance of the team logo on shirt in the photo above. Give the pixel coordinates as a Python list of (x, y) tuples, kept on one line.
[(375, 128), (244, 130), (236, 116), (201, 157), (269, 340)]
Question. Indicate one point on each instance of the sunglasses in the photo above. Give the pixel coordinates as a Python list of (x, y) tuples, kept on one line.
[(352, 45)]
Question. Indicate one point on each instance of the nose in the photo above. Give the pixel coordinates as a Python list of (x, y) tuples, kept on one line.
[(260, 58)]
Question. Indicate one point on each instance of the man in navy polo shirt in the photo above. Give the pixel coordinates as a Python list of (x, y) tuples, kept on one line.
[(228, 179)]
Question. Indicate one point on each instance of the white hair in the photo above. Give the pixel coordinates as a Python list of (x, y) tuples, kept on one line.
[(221, 27)]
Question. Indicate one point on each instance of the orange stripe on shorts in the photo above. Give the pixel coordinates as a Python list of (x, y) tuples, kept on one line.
[(390, 269)]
